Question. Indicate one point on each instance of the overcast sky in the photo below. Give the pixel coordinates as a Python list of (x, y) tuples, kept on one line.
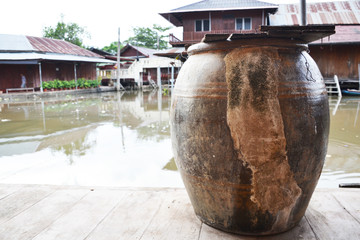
[(101, 18)]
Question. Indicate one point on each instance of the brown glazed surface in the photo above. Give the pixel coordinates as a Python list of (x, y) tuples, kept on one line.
[(249, 128)]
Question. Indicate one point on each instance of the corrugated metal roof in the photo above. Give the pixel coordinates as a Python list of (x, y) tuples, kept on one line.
[(15, 43), (211, 5), (22, 56), (340, 12), (148, 52), (344, 34), (20, 43), (19, 48), (59, 46)]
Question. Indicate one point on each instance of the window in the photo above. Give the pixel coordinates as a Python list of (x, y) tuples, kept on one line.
[(202, 25), (243, 24)]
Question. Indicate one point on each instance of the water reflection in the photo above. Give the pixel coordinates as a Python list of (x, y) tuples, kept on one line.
[(342, 163), (112, 139), (123, 139)]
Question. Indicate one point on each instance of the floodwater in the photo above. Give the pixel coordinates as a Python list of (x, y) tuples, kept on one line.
[(123, 140), (342, 163)]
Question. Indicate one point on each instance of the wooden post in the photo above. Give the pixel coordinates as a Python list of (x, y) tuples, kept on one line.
[(159, 77), (172, 76), (75, 75), (359, 74), (118, 64), (40, 76)]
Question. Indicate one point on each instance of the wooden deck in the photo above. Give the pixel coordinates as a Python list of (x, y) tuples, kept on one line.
[(59, 212)]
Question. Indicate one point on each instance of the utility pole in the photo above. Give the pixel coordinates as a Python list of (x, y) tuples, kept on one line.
[(303, 12), (158, 41), (118, 64)]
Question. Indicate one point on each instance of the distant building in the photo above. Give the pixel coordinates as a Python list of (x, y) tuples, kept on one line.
[(218, 17), (141, 66), (338, 54), (43, 59)]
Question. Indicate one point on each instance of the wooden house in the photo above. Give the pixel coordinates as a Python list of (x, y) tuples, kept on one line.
[(141, 66), (218, 17), (338, 54), (43, 59)]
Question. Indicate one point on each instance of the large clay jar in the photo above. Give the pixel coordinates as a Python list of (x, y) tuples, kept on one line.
[(249, 126)]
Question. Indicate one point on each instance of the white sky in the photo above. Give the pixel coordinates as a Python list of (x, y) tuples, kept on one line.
[(101, 18)]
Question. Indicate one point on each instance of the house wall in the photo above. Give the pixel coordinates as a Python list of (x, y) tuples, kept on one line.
[(10, 73), (65, 71), (340, 60), (220, 22)]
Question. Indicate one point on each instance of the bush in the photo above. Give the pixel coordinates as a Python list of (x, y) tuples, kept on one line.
[(46, 85), (58, 84), (72, 84), (66, 84), (87, 84), (81, 82)]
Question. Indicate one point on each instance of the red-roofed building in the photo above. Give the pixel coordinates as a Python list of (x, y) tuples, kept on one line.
[(43, 59)]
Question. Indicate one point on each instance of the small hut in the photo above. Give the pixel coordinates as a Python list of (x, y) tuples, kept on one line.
[(43, 59)]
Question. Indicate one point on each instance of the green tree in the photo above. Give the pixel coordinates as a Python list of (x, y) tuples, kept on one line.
[(112, 48), (70, 32), (148, 37)]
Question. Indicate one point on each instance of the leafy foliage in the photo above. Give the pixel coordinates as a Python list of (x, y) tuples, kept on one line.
[(60, 84), (47, 85), (81, 82), (70, 32), (143, 37), (148, 37), (112, 48)]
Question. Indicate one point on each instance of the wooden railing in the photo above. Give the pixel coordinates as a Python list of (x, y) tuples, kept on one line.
[(173, 39)]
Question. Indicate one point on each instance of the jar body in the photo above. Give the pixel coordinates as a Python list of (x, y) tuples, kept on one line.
[(249, 129)]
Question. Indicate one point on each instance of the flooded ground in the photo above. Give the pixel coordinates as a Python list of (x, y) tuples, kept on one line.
[(123, 139), (342, 163), (109, 139)]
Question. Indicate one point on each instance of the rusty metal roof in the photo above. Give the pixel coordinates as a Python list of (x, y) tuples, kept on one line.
[(49, 45), (340, 12), (36, 56), (21, 48), (21, 43)]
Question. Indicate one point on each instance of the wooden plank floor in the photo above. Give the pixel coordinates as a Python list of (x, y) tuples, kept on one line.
[(59, 212)]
